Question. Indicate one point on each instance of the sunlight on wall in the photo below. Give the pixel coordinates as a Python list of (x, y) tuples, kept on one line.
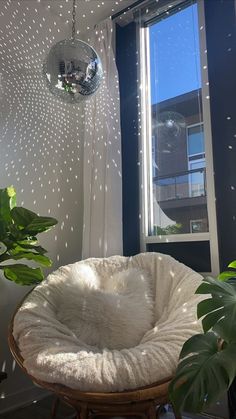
[(40, 154), (40, 137)]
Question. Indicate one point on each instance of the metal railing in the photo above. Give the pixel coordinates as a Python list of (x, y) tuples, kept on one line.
[(181, 185)]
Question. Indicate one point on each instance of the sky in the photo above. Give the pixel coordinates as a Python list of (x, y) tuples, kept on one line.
[(174, 55)]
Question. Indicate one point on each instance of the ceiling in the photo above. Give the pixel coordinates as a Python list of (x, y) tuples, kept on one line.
[(88, 12), (29, 28)]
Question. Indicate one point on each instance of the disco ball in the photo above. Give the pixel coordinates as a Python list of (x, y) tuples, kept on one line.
[(72, 70)]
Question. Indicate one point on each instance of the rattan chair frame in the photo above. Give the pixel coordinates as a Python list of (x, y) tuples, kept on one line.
[(145, 401)]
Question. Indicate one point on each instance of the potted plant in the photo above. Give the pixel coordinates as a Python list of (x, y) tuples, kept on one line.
[(19, 228), (207, 364)]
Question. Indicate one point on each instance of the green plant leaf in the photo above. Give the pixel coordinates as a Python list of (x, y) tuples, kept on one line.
[(12, 196), (220, 309), (3, 229), (206, 306), (23, 274), (3, 248), (213, 286), (227, 275), (28, 242), (29, 245), (170, 229), (18, 230), (30, 222), (205, 371), (22, 217), (232, 264), (15, 233), (40, 224), (42, 259), (7, 197)]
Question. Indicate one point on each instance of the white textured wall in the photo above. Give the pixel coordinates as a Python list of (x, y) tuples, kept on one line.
[(40, 154)]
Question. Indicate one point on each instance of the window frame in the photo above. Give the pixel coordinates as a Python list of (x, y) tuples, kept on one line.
[(146, 196)]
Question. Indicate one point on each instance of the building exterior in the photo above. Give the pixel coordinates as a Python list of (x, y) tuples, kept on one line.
[(178, 153)]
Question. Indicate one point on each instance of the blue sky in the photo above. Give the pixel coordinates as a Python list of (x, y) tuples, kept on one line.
[(175, 59)]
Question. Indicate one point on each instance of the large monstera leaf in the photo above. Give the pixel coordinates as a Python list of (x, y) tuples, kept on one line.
[(219, 311), (207, 368), (207, 364)]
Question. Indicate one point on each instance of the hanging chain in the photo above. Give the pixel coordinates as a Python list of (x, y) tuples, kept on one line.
[(73, 20)]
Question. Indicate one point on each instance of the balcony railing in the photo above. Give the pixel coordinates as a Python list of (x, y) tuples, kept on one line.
[(186, 184)]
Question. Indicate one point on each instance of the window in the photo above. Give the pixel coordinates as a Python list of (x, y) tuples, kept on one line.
[(179, 190), (196, 161), (196, 143), (178, 195), (197, 226)]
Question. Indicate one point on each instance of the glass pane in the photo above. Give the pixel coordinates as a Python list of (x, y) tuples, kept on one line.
[(174, 45), (197, 178), (196, 140), (178, 151)]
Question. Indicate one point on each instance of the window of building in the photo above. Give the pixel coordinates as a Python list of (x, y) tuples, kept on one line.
[(196, 161), (198, 226)]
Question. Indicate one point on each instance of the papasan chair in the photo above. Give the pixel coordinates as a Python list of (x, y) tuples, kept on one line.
[(105, 334)]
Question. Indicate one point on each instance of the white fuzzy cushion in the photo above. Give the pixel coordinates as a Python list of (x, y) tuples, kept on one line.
[(113, 314), (54, 353)]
